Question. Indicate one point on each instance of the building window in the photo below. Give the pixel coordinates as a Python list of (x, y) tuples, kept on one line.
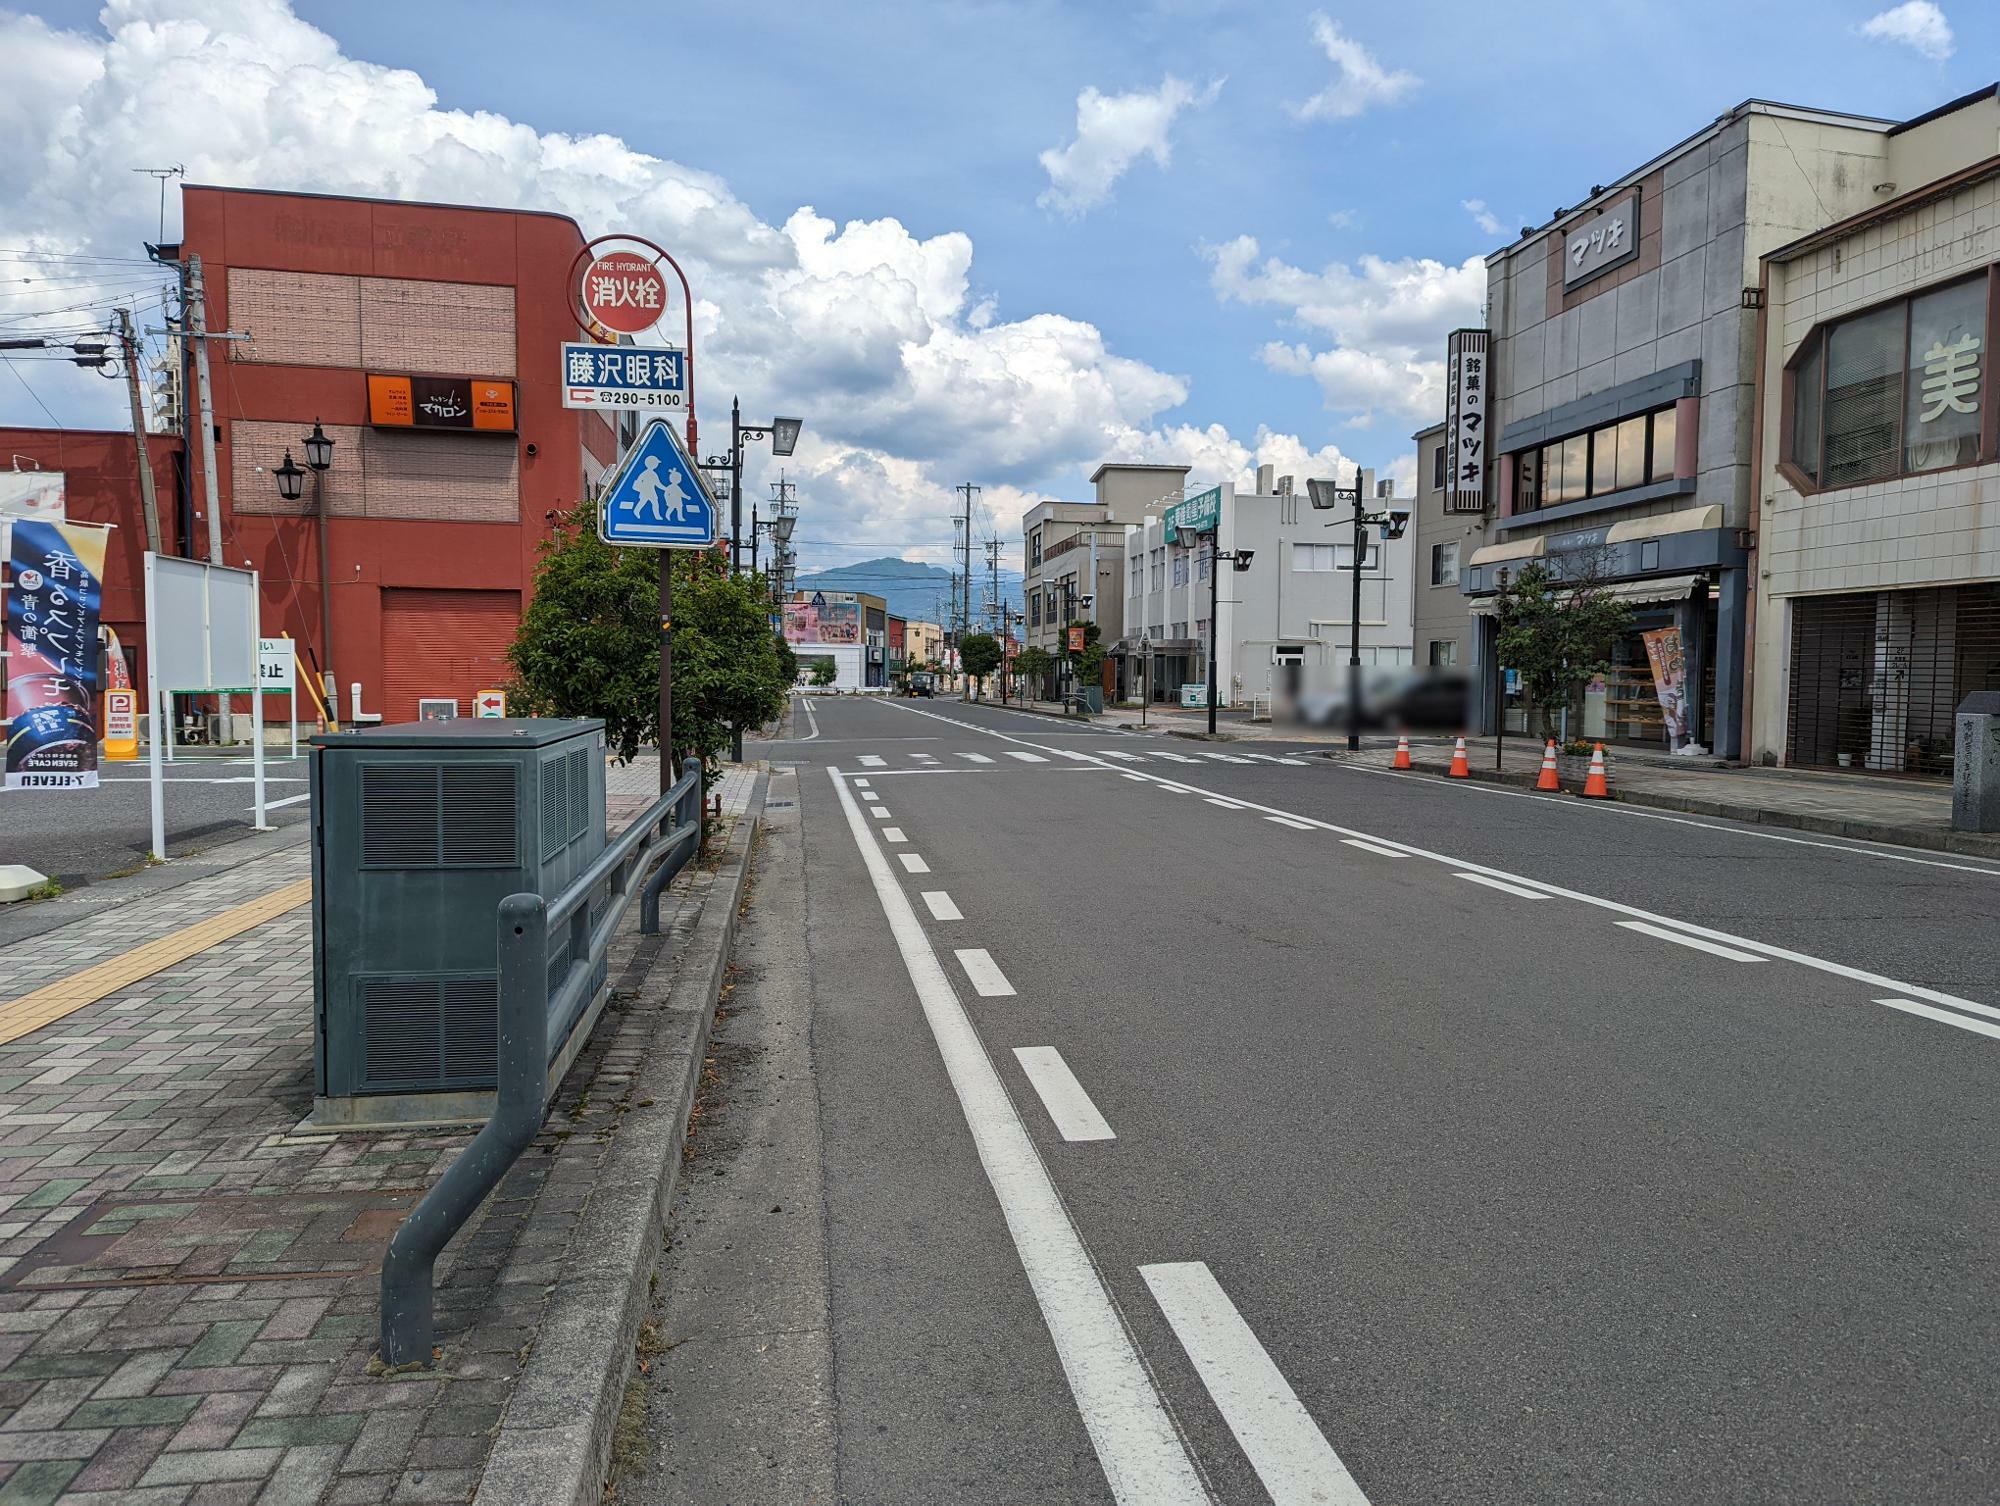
[(1892, 392), (1371, 557), (1437, 469), (1444, 653), (1034, 549), (1611, 458), (1207, 559), (1180, 567), (1159, 569), (1444, 564)]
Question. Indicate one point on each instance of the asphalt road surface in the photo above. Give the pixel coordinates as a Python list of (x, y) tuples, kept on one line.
[(1214, 1122), (77, 836)]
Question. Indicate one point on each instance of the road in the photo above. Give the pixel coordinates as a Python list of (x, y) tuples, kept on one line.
[(77, 836), (1203, 1121)]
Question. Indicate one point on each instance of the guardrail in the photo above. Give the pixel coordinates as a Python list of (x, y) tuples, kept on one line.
[(535, 1019)]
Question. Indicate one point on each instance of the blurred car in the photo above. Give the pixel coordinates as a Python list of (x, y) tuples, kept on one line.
[(1420, 699)]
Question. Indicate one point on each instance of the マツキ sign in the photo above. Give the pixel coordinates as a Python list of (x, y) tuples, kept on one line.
[(624, 292)]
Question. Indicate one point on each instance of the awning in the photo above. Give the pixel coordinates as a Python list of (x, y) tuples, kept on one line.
[(1512, 549), (1650, 591), (1688, 520)]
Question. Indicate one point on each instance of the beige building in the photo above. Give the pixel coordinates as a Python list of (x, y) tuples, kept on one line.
[(1444, 541), (1877, 507)]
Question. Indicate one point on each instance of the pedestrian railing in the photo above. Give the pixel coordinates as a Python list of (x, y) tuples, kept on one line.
[(538, 1008)]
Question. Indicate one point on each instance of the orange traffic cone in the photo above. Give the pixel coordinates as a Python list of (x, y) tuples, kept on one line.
[(1402, 758), (1596, 786), (1549, 780), (1460, 769)]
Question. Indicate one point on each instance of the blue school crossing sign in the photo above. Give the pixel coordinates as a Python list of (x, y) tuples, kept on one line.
[(656, 498)]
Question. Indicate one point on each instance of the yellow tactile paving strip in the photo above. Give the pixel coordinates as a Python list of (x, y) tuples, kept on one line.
[(66, 996)]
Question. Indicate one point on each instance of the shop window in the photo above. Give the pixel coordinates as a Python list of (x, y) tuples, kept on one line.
[(1596, 463), (1437, 468), (1444, 564), (1444, 653), (1895, 391)]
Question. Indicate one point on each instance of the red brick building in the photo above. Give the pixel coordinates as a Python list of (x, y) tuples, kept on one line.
[(435, 513)]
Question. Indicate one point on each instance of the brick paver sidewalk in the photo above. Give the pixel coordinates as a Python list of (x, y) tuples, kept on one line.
[(188, 1283)]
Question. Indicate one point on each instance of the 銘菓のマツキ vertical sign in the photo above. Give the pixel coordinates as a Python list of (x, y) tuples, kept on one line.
[(54, 591), (1465, 433)]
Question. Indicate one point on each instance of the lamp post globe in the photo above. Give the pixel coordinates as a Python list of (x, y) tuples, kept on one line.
[(319, 448), (291, 480)]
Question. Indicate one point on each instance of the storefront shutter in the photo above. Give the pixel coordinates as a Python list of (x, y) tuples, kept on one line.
[(443, 644)]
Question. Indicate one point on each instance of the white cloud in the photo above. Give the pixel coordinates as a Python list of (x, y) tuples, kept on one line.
[(1387, 319), (1483, 217), (1916, 24), (1360, 81), (911, 378), (1112, 132)]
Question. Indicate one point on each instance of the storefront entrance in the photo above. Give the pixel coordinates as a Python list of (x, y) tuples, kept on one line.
[(1877, 676)]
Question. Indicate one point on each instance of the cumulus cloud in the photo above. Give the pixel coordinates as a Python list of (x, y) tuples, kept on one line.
[(1484, 218), (1916, 24), (912, 378), (1360, 81), (1112, 132), (1387, 320)]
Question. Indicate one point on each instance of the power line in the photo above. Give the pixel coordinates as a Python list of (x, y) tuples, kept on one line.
[(33, 394)]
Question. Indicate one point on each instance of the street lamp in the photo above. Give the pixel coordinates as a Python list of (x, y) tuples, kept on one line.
[(784, 436), (318, 446), (1326, 496)]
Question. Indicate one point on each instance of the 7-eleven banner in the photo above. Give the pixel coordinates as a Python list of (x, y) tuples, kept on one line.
[(53, 593)]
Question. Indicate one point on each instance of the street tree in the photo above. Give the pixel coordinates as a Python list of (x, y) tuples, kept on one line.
[(824, 672), (980, 655), (1556, 630), (1085, 664), (1032, 666), (588, 644)]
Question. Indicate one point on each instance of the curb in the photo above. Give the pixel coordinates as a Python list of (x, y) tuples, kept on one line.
[(554, 1441), (1930, 839)]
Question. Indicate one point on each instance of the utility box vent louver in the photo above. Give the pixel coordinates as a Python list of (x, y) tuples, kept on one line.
[(419, 832), (439, 815)]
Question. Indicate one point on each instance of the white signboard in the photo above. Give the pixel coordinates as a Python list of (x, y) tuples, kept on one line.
[(1596, 245), (490, 703), (1465, 410), (623, 376), (32, 494), (277, 666)]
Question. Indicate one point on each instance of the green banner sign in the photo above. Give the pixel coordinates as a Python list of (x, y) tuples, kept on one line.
[(1201, 513)]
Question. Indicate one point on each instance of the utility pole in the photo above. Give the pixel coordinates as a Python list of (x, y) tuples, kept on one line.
[(197, 320), (130, 344), (965, 558)]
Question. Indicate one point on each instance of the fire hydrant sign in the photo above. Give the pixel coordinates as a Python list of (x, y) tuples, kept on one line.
[(623, 376), (624, 292)]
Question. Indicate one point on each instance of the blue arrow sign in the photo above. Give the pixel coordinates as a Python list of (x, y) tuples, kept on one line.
[(656, 498)]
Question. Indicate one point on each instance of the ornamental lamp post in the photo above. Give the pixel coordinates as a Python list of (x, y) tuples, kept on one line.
[(1240, 558), (318, 447), (1393, 520)]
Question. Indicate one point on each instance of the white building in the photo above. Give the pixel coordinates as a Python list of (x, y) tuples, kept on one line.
[(1292, 606)]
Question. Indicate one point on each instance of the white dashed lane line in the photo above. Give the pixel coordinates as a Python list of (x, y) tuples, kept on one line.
[(912, 863), (987, 979), (941, 906), (1645, 928), (1075, 1116)]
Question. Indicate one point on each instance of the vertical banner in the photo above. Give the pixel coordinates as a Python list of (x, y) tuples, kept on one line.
[(1465, 433), (54, 593), (1669, 663)]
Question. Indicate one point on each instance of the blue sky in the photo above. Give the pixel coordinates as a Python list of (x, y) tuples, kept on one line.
[(937, 117)]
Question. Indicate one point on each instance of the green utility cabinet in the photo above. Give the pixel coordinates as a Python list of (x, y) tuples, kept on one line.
[(419, 831)]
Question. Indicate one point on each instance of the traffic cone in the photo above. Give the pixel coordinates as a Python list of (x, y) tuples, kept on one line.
[(1596, 786), (1550, 780), (1460, 769), (1402, 758)]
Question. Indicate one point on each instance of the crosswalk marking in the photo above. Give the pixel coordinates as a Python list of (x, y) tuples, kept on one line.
[(1114, 753), (924, 757), (1174, 757), (1028, 757), (871, 760), (975, 758), (934, 763)]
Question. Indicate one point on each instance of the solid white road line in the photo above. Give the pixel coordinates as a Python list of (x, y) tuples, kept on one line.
[(1027, 757), (1943, 1016), (1228, 805), (879, 812), (1284, 1445), (1288, 821), (941, 906), (1375, 847), (1114, 753), (1143, 1457), (912, 863), (1694, 941), (1502, 885), (1173, 757), (975, 758), (271, 805), (893, 834), (1075, 1116), (871, 760), (1599, 902), (987, 979), (811, 716)]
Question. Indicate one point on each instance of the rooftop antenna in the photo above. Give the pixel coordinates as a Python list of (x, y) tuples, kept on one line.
[(178, 170)]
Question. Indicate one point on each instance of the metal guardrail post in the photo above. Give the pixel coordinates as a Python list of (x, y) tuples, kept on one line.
[(689, 798), (408, 1269)]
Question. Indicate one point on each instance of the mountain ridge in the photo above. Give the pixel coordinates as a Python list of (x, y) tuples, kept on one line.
[(913, 590)]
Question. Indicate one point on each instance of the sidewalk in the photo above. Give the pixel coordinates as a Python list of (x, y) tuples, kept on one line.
[(1908, 812), (188, 1283)]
